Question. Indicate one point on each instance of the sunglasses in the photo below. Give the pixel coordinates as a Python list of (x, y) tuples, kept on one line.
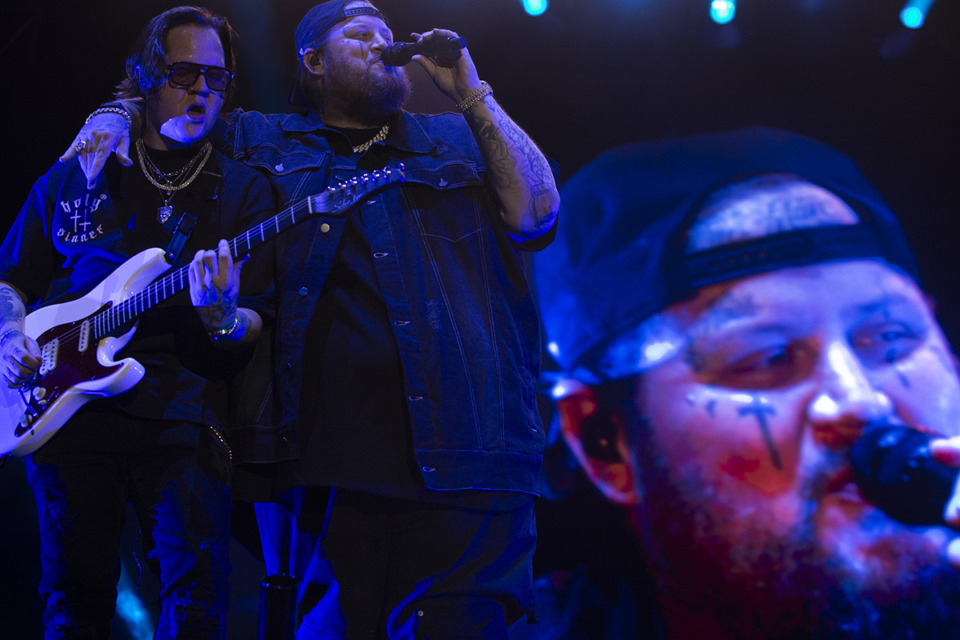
[(185, 74)]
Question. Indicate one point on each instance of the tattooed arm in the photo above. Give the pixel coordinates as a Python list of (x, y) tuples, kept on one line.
[(19, 354), (214, 289), (518, 170)]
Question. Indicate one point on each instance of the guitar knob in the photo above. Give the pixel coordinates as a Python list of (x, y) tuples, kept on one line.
[(39, 393), (26, 420)]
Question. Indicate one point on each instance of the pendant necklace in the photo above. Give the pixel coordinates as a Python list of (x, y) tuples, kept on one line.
[(170, 183)]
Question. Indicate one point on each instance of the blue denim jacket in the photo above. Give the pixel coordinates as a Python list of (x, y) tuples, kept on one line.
[(453, 280)]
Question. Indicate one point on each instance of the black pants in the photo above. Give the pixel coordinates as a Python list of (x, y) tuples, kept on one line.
[(176, 477), (378, 568)]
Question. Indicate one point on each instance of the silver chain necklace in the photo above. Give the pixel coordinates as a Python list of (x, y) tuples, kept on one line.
[(169, 187)]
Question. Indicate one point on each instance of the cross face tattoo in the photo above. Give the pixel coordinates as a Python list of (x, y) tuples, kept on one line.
[(760, 411)]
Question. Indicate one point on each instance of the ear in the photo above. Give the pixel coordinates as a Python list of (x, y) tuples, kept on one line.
[(312, 62), (596, 434)]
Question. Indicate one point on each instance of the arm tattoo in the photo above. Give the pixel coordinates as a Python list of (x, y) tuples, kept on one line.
[(11, 306), (512, 158)]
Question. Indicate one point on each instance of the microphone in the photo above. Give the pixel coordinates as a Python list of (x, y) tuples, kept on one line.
[(894, 470), (446, 51)]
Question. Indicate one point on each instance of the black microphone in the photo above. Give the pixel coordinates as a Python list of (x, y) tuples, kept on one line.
[(894, 470), (445, 50)]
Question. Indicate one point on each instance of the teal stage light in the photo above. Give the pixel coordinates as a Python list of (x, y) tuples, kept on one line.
[(915, 13), (535, 7), (723, 11)]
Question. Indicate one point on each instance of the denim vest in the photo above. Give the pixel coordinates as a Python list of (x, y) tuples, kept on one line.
[(455, 287)]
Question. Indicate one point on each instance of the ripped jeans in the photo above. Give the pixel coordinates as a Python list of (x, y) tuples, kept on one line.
[(176, 477)]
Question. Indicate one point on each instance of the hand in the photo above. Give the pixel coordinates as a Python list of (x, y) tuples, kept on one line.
[(104, 134), (458, 81), (946, 451), (19, 358), (215, 286)]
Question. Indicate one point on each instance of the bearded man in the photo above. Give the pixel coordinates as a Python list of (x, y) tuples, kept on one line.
[(745, 310)]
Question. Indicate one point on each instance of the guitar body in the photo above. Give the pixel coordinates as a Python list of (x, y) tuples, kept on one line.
[(76, 367), (74, 371)]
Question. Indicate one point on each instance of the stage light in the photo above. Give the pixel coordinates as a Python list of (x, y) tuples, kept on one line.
[(723, 11), (535, 7), (914, 13)]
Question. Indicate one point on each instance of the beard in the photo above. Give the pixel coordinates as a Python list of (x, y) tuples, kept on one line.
[(711, 561), (363, 92)]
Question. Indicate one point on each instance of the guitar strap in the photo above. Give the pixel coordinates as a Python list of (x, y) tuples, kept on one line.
[(180, 235)]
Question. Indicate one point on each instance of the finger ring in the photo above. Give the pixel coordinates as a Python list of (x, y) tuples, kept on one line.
[(80, 146)]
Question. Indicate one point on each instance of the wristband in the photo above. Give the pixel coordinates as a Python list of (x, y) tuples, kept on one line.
[(222, 334), (475, 96), (6, 334), (120, 111)]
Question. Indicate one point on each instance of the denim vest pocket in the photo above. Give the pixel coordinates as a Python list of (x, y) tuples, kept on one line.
[(445, 199), (283, 162)]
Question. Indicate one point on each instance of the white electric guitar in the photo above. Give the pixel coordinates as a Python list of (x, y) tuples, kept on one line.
[(79, 339)]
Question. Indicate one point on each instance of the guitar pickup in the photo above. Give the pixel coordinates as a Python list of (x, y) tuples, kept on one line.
[(84, 340), (48, 356)]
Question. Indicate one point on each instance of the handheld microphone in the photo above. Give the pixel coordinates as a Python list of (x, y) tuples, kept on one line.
[(894, 470), (446, 51)]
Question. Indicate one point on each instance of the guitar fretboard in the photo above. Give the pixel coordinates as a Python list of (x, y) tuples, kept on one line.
[(334, 201)]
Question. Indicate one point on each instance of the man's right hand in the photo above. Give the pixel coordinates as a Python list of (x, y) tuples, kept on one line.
[(19, 358), (106, 133)]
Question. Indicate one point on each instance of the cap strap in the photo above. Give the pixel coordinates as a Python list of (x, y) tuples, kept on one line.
[(789, 249)]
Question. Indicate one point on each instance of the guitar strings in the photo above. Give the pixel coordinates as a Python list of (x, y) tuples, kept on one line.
[(116, 315)]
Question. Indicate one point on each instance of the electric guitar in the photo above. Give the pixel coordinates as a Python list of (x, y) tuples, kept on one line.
[(79, 339)]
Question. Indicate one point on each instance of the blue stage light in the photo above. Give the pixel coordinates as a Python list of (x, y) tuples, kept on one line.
[(535, 7), (915, 13), (723, 11)]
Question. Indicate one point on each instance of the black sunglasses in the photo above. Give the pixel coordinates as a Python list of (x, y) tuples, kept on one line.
[(185, 74)]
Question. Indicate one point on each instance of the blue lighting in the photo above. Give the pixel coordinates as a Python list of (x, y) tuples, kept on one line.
[(723, 11), (535, 7), (915, 13)]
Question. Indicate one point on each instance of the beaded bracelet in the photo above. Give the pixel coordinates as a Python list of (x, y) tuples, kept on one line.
[(7, 333), (221, 334), (475, 96), (120, 111)]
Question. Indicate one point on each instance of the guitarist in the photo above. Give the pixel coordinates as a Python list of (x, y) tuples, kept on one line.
[(161, 445)]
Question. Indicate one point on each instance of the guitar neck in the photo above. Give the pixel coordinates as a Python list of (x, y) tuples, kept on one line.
[(334, 201), (122, 314)]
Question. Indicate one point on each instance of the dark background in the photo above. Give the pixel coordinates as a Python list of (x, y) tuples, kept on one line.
[(586, 76)]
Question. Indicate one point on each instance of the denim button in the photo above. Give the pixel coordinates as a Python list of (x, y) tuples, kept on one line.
[(380, 254), (427, 469), (401, 323), (324, 228), (303, 291), (414, 398), (278, 168)]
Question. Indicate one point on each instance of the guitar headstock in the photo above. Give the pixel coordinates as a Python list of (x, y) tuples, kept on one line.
[(338, 199)]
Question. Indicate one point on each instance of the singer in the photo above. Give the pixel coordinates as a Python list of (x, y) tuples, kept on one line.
[(726, 339), (405, 454)]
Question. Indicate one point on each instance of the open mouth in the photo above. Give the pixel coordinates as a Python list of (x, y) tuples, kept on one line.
[(196, 112)]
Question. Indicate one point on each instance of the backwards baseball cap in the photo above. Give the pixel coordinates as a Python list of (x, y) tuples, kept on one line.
[(620, 255), (317, 22)]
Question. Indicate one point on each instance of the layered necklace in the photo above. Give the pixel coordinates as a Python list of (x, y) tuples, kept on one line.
[(170, 182), (380, 137)]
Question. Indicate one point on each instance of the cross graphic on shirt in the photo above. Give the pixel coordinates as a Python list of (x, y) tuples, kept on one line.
[(77, 217)]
